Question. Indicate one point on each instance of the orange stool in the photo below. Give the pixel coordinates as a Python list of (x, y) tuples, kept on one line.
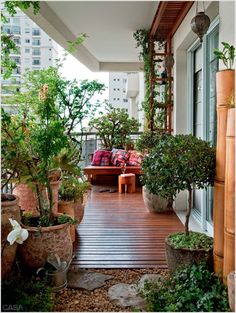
[(127, 180)]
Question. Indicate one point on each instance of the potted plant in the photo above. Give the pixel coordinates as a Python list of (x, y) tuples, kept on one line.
[(114, 127), (225, 79), (152, 200), (35, 141), (72, 195), (177, 163)]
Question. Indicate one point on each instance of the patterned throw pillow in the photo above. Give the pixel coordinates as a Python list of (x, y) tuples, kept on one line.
[(119, 157), (101, 158), (135, 158)]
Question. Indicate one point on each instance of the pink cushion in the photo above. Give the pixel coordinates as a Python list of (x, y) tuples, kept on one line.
[(119, 157), (101, 158), (135, 158)]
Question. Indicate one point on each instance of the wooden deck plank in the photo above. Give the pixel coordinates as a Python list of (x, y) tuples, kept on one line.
[(118, 232)]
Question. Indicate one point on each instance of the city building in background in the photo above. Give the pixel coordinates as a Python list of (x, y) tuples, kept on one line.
[(126, 91), (36, 50)]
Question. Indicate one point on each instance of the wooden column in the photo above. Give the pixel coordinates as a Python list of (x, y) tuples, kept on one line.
[(219, 185), (229, 216)]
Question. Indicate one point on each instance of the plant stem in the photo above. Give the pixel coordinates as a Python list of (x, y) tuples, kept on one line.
[(188, 211)]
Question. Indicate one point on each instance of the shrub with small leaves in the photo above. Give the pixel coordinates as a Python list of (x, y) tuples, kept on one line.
[(190, 289)]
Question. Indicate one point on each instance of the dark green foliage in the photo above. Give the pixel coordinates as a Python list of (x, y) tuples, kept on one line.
[(191, 289), (176, 163), (114, 127), (72, 189), (26, 295), (227, 55), (148, 140), (193, 241), (63, 219)]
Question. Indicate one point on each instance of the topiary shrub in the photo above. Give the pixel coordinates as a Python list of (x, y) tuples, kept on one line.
[(181, 162)]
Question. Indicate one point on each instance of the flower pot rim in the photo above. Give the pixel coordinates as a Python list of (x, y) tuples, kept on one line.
[(226, 70), (9, 202), (66, 201), (184, 249), (44, 229)]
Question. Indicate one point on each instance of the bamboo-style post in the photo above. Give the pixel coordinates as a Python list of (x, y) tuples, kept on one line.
[(219, 185), (229, 217)]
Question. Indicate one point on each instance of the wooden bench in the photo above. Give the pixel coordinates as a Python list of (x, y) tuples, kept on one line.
[(93, 171)]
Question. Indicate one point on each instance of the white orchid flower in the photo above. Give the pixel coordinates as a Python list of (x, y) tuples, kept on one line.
[(18, 234), (14, 224)]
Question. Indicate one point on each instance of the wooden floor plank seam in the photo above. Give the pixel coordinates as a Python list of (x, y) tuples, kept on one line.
[(117, 231)]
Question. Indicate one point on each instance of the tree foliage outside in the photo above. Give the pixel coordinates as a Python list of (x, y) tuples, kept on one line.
[(8, 45), (114, 127)]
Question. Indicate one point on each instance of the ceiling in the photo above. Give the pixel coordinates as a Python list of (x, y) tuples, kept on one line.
[(110, 45)]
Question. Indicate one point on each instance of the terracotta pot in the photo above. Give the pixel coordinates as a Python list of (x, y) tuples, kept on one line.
[(68, 207), (154, 203), (43, 241), (27, 198), (231, 290), (79, 208), (184, 257), (225, 82), (9, 209)]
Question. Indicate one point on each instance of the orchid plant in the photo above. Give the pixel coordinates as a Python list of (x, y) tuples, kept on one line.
[(18, 234)]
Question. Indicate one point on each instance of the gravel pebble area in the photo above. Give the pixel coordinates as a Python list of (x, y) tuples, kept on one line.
[(79, 300)]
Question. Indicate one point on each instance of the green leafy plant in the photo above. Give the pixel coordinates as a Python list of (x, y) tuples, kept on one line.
[(64, 218), (190, 289), (73, 189), (227, 54), (193, 241), (26, 294), (148, 140), (181, 162), (114, 127)]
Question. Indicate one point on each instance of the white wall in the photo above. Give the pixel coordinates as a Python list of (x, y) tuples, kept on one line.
[(182, 40), (227, 24)]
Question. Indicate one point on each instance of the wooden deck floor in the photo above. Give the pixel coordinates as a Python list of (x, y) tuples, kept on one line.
[(118, 232)]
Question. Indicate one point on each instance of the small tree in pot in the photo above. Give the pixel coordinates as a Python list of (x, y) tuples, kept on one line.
[(177, 163)]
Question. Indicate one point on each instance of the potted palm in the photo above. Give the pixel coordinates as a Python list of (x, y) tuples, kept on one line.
[(177, 163)]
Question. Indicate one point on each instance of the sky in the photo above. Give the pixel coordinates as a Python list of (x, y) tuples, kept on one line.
[(73, 69)]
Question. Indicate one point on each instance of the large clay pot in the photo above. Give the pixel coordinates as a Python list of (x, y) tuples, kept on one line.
[(184, 257), (44, 241), (79, 207), (155, 203), (68, 207), (27, 198), (9, 209)]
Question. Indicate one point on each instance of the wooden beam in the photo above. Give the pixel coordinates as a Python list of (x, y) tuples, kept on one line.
[(180, 18), (157, 19)]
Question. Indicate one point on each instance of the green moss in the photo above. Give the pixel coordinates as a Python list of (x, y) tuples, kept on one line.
[(192, 241)]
